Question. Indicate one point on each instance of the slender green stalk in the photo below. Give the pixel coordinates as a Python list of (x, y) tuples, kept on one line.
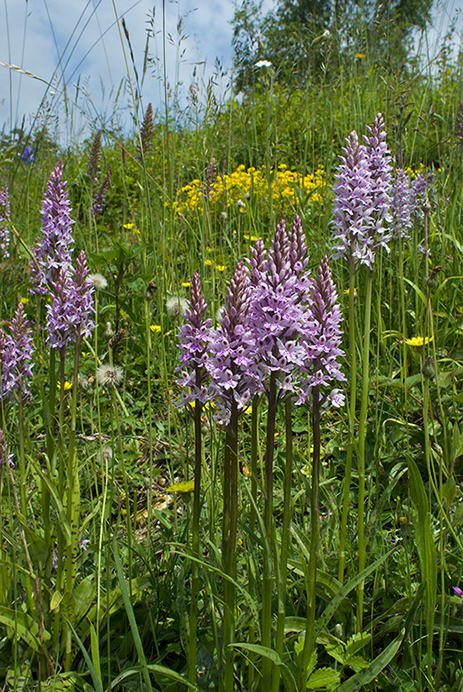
[(73, 501), (285, 528), (252, 523), (404, 333), (428, 454), (254, 459), (22, 490), (361, 446), (269, 529), (314, 543), (229, 538), (192, 650), (351, 410)]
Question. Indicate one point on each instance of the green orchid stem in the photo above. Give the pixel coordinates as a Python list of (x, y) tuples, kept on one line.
[(428, 453), (49, 419), (22, 490), (352, 406), (252, 523), (192, 648), (268, 523), (73, 503), (309, 640), (254, 460), (282, 591), (229, 540), (404, 334), (361, 447)]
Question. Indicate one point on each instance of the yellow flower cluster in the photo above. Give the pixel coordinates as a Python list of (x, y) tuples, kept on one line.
[(414, 172), (242, 184)]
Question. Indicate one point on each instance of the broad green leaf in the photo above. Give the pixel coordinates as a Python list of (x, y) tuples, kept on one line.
[(260, 650), (61, 682), (294, 624), (357, 641), (356, 663), (357, 681), (95, 649), (95, 678), (448, 491), (425, 543), (418, 290), (56, 600), (331, 608), (162, 671), (84, 595), (324, 679), (23, 626)]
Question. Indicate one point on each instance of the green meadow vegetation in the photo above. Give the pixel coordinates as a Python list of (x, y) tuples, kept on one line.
[(156, 536)]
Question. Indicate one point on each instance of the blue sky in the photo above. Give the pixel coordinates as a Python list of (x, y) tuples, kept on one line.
[(75, 47)]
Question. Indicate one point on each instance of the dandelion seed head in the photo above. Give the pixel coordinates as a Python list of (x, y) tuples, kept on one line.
[(176, 306), (105, 453), (109, 375), (98, 281)]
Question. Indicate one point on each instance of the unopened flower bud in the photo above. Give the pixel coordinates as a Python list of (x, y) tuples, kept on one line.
[(428, 369)]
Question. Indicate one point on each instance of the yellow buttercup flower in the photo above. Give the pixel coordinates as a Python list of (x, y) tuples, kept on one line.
[(182, 487), (208, 405), (155, 328), (418, 341), (208, 262), (67, 386), (229, 190), (220, 267)]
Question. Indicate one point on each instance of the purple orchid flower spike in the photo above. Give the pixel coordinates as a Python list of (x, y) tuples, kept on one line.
[(195, 335), (363, 197), (69, 315), (232, 363), (16, 351), (53, 250)]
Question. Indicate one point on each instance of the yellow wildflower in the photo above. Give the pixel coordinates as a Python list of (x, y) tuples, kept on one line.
[(418, 341), (220, 267), (208, 262), (155, 328), (182, 487), (66, 387)]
